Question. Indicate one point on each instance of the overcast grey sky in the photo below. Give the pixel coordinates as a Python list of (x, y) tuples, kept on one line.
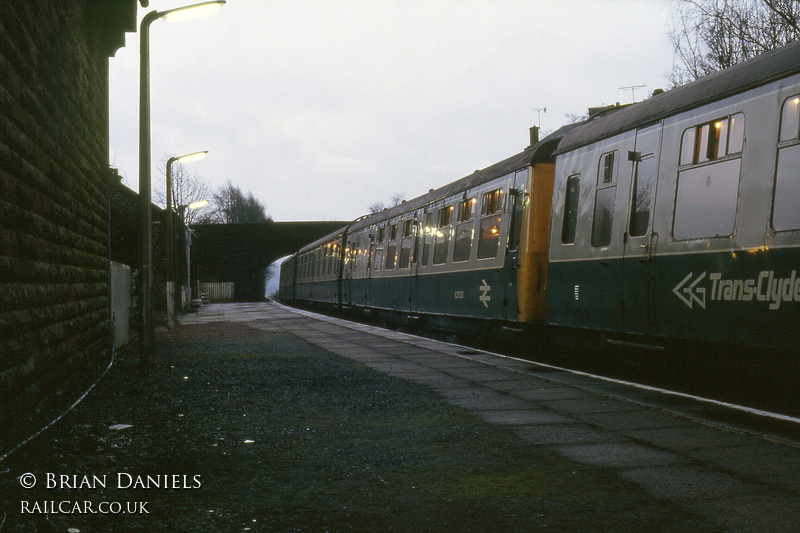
[(323, 107)]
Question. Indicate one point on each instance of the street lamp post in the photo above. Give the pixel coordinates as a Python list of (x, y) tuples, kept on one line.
[(170, 238), (146, 322), (182, 213)]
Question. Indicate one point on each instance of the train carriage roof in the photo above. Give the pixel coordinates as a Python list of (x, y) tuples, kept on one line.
[(538, 152), (760, 70)]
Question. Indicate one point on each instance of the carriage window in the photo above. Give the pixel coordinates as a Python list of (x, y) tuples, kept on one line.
[(428, 231), (605, 170), (492, 202), (688, 146), (705, 202), (603, 220), (391, 255), (393, 232), (713, 140), (464, 231), (790, 119), (466, 209), (405, 253), (378, 260), (519, 199), (442, 244), (405, 244), (381, 234), (644, 178), (570, 223), (785, 214), (489, 238)]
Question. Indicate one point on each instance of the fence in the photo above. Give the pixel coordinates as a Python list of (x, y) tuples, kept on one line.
[(218, 292)]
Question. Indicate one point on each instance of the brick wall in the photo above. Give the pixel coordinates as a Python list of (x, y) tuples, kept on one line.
[(54, 265)]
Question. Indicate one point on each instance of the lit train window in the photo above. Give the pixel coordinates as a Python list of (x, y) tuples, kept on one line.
[(466, 209), (713, 140), (442, 243), (489, 240), (405, 253), (408, 228), (489, 237), (705, 201), (463, 243), (393, 232), (570, 224), (391, 255), (492, 202), (428, 231), (785, 214), (464, 231)]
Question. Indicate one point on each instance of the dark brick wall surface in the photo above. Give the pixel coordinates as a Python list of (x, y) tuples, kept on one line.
[(54, 309)]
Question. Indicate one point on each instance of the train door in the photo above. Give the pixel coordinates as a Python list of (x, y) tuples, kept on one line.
[(639, 237), (517, 199)]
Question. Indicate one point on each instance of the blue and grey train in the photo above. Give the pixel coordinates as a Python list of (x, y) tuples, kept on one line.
[(675, 218)]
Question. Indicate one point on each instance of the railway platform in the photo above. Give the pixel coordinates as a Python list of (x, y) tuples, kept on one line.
[(709, 459)]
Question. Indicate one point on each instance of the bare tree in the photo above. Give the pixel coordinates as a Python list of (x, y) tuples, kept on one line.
[(186, 189), (231, 206), (396, 199), (377, 207), (710, 35)]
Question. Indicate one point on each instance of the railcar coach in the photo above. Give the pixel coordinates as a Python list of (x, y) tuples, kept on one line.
[(679, 217), (674, 218), (469, 256)]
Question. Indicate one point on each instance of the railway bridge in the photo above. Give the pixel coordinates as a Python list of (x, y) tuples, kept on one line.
[(240, 253)]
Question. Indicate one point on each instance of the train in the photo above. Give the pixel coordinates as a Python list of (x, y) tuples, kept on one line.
[(676, 218)]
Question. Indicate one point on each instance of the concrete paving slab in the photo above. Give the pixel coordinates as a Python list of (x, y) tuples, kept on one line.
[(690, 437), (590, 404), (543, 391), (768, 511), (620, 455), (562, 434), (690, 483), (637, 419), (480, 373), (519, 417), (758, 458)]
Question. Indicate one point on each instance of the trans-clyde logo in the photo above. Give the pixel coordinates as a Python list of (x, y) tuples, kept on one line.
[(767, 287)]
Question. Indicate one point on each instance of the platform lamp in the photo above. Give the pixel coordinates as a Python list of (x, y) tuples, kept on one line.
[(146, 322), (172, 267), (182, 212)]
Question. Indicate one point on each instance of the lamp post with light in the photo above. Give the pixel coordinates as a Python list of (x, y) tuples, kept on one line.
[(146, 322), (182, 213), (170, 236)]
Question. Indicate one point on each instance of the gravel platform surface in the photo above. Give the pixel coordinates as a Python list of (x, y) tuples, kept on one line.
[(241, 428)]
